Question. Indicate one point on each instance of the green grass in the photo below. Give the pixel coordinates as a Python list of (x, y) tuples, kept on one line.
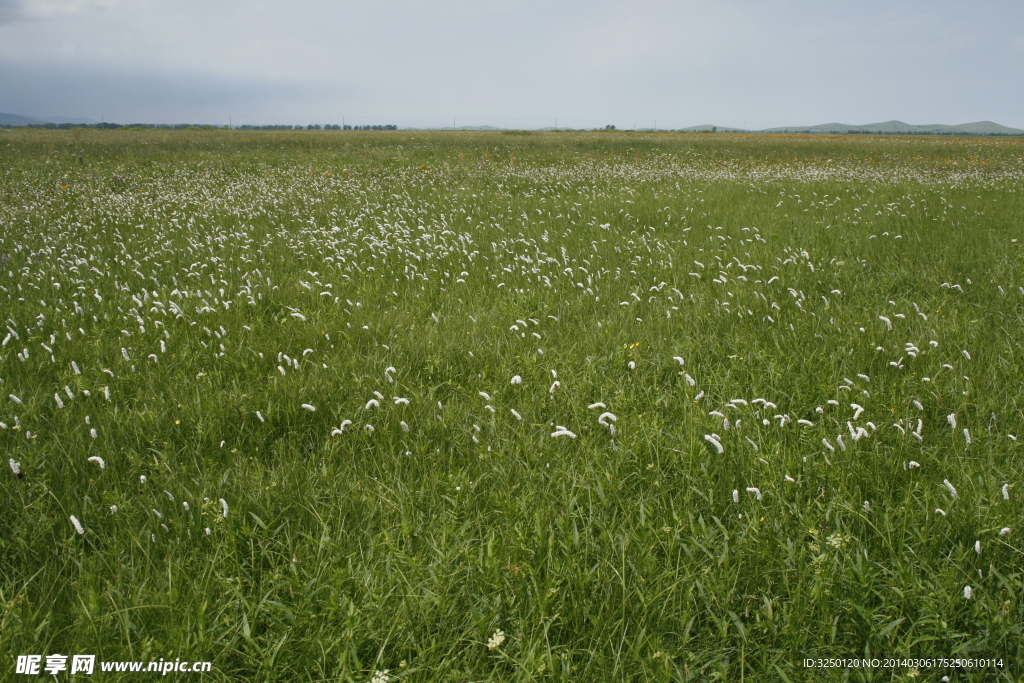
[(765, 263)]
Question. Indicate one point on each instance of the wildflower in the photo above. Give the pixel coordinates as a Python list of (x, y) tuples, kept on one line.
[(142, 478), (917, 404), (977, 547), (867, 506), (400, 401), (515, 414), (888, 323), (790, 479), (157, 513), (596, 405), (1005, 530), (77, 525), (554, 385), (224, 507), (714, 442), (99, 461), (698, 396), (372, 403), (124, 353), (113, 509), (952, 489), (207, 530), (369, 428), (839, 440), (309, 407), (60, 403), (1006, 491), (259, 415), (495, 641), (912, 464), (967, 436), (966, 355), (185, 505), (92, 433), (755, 491), (562, 431), (940, 511), (605, 417), (517, 380), (14, 398), (828, 445), (281, 370), (967, 592), (735, 496), (678, 360), (381, 676), (484, 395)]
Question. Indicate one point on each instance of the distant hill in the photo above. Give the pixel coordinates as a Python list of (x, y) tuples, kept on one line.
[(976, 128), (18, 120), (15, 120)]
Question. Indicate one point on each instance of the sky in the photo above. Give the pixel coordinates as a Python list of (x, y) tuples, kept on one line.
[(515, 63)]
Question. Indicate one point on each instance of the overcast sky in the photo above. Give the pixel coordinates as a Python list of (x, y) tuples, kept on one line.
[(743, 63)]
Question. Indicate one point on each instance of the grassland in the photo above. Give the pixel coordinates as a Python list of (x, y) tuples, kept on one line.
[(342, 406)]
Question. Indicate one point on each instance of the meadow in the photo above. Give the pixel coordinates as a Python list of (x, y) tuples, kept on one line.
[(425, 406)]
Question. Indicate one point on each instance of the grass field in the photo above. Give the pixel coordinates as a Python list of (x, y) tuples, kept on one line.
[(322, 406)]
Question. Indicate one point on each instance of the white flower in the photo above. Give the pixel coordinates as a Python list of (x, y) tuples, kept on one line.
[(15, 466), (381, 676), (867, 506), (605, 417), (77, 525), (912, 464), (951, 419), (755, 491), (554, 385), (399, 401), (562, 431), (678, 359), (207, 530), (495, 641), (714, 442), (484, 395), (113, 509), (966, 355), (517, 380), (309, 407), (940, 511), (888, 323), (515, 414), (1006, 491), (967, 592), (790, 479), (124, 352), (60, 403), (698, 396), (99, 461), (596, 405), (977, 547), (829, 446), (92, 433), (281, 370), (1005, 530), (632, 365), (142, 478), (14, 398), (369, 428), (372, 403), (967, 436), (735, 496), (405, 427), (224, 507), (184, 504), (952, 489), (259, 415)]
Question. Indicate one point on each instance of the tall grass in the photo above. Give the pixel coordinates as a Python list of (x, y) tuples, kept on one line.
[(772, 266)]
